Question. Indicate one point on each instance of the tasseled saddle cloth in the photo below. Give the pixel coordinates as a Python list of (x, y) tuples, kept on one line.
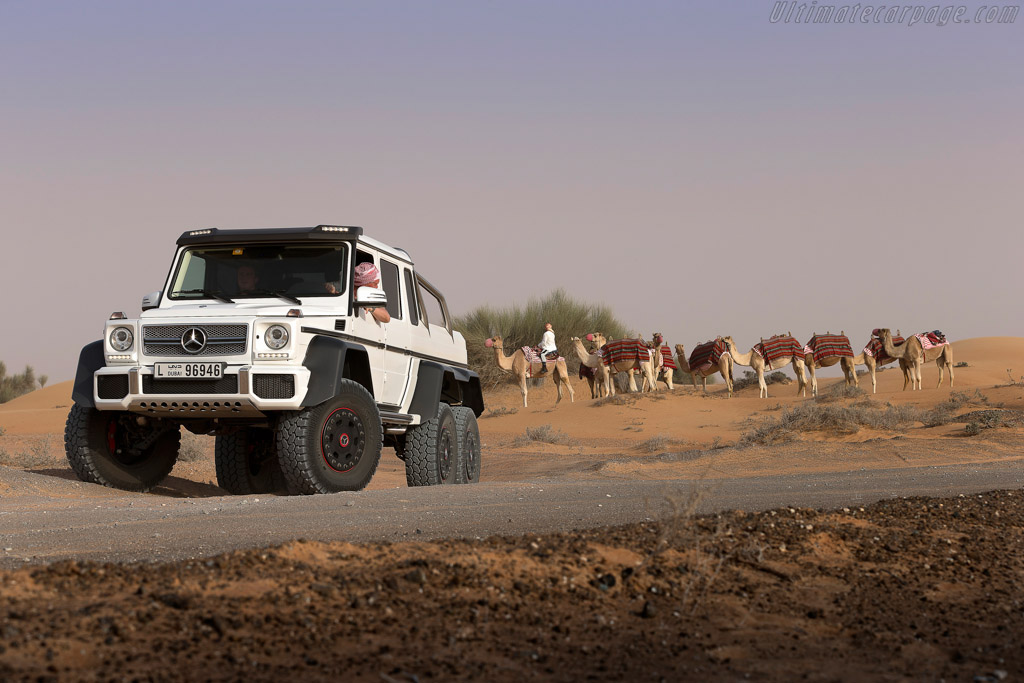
[(824, 346), (778, 347), (707, 354)]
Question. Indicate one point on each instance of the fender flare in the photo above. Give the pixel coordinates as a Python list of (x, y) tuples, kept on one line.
[(89, 361), (331, 360), (454, 385)]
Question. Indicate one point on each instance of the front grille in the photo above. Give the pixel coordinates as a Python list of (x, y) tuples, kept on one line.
[(112, 386), (273, 386), (221, 340), (228, 384)]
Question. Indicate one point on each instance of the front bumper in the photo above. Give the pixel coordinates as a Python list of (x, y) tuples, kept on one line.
[(243, 391)]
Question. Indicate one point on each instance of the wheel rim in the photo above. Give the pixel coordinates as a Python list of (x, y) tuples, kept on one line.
[(342, 440), (470, 456), (444, 459)]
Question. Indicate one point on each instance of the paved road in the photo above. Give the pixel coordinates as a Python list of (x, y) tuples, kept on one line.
[(116, 527)]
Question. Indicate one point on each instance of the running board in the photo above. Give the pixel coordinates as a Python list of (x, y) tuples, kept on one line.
[(396, 418)]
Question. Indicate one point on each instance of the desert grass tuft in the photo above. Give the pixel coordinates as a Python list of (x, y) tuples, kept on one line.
[(544, 434), (749, 379), (500, 411), (193, 447), (832, 418), (655, 444)]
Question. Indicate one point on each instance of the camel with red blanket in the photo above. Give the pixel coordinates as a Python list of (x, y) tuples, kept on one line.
[(774, 353), (664, 365), (518, 366), (707, 359), (593, 361), (825, 350), (626, 355), (873, 357), (913, 351)]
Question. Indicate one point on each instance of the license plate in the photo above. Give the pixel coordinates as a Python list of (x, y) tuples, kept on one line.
[(188, 370)]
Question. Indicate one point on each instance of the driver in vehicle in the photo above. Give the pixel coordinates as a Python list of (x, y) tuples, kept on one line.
[(247, 279)]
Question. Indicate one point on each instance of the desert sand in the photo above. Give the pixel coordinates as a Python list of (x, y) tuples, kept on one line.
[(906, 588)]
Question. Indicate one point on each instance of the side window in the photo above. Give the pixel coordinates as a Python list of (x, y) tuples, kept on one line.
[(432, 308), (410, 294), (392, 287)]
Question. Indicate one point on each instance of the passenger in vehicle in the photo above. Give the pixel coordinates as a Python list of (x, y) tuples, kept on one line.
[(368, 275)]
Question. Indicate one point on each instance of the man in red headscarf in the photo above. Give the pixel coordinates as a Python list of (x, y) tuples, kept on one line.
[(368, 275)]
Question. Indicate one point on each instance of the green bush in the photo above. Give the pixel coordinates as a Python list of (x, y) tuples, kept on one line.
[(13, 386), (524, 325)]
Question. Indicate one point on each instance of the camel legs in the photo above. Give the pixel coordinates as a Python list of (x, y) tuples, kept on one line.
[(522, 387), (849, 371), (801, 376), (814, 379), (946, 359)]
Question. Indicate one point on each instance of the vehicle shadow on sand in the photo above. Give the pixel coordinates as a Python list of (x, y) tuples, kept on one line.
[(171, 487)]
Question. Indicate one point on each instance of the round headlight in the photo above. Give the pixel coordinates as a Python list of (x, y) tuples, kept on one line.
[(276, 336), (121, 339)]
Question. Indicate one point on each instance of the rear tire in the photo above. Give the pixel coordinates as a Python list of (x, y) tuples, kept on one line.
[(469, 445), (110, 448), (432, 450), (247, 462), (332, 447)]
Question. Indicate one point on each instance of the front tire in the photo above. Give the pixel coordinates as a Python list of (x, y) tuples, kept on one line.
[(112, 449), (432, 450), (332, 447), (247, 462), (469, 445)]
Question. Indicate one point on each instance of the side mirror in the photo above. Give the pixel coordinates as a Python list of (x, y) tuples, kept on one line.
[(151, 300), (371, 298)]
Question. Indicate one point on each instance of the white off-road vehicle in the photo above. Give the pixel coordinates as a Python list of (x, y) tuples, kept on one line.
[(258, 338)]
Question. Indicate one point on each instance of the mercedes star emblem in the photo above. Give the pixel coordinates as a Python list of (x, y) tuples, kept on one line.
[(194, 340)]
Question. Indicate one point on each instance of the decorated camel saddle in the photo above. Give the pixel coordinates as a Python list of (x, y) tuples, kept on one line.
[(823, 346), (533, 358), (877, 351), (777, 347), (706, 355), (931, 340), (667, 361), (625, 351)]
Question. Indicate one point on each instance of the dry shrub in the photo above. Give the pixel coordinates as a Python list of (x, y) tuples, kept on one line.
[(840, 391), (749, 379), (543, 434), (498, 412), (836, 419), (654, 444), (193, 446)]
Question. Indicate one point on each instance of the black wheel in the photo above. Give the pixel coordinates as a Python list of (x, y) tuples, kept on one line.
[(113, 449), (332, 447), (247, 462), (432, 450), (469, 445)]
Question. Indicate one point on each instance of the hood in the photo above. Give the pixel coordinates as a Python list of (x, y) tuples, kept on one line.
[(241, 310)]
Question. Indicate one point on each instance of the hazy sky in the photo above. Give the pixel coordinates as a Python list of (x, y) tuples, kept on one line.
[(695, 166)]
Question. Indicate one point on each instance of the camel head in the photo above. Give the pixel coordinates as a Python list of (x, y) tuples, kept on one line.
[(598, 338), (494, 342), (882, 333), (728, 340), (680, 351)]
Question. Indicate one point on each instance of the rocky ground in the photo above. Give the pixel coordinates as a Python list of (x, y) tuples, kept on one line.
[(907, 589)]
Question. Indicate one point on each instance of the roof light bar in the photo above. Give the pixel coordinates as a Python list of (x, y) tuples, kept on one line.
[(205, 231), (332, 228)]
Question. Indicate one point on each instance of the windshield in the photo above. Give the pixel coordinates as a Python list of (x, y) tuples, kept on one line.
[(228, 272)]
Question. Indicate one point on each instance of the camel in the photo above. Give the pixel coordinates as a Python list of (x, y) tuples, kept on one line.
[(845, 362), (517, 366), (663, 365), (754, 360), (871, 363), (916, 355), (592, 360), (646, 369), (724, 367)]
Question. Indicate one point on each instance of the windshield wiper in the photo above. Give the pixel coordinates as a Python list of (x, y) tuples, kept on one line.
[(274, 292), (209, 294)]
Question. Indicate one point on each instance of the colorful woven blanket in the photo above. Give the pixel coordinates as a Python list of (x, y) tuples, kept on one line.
[(533, 357), (668, 361), (777, 348), (931, 340), (707, 354), (626, 351), (874, 349), (824, 346)]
